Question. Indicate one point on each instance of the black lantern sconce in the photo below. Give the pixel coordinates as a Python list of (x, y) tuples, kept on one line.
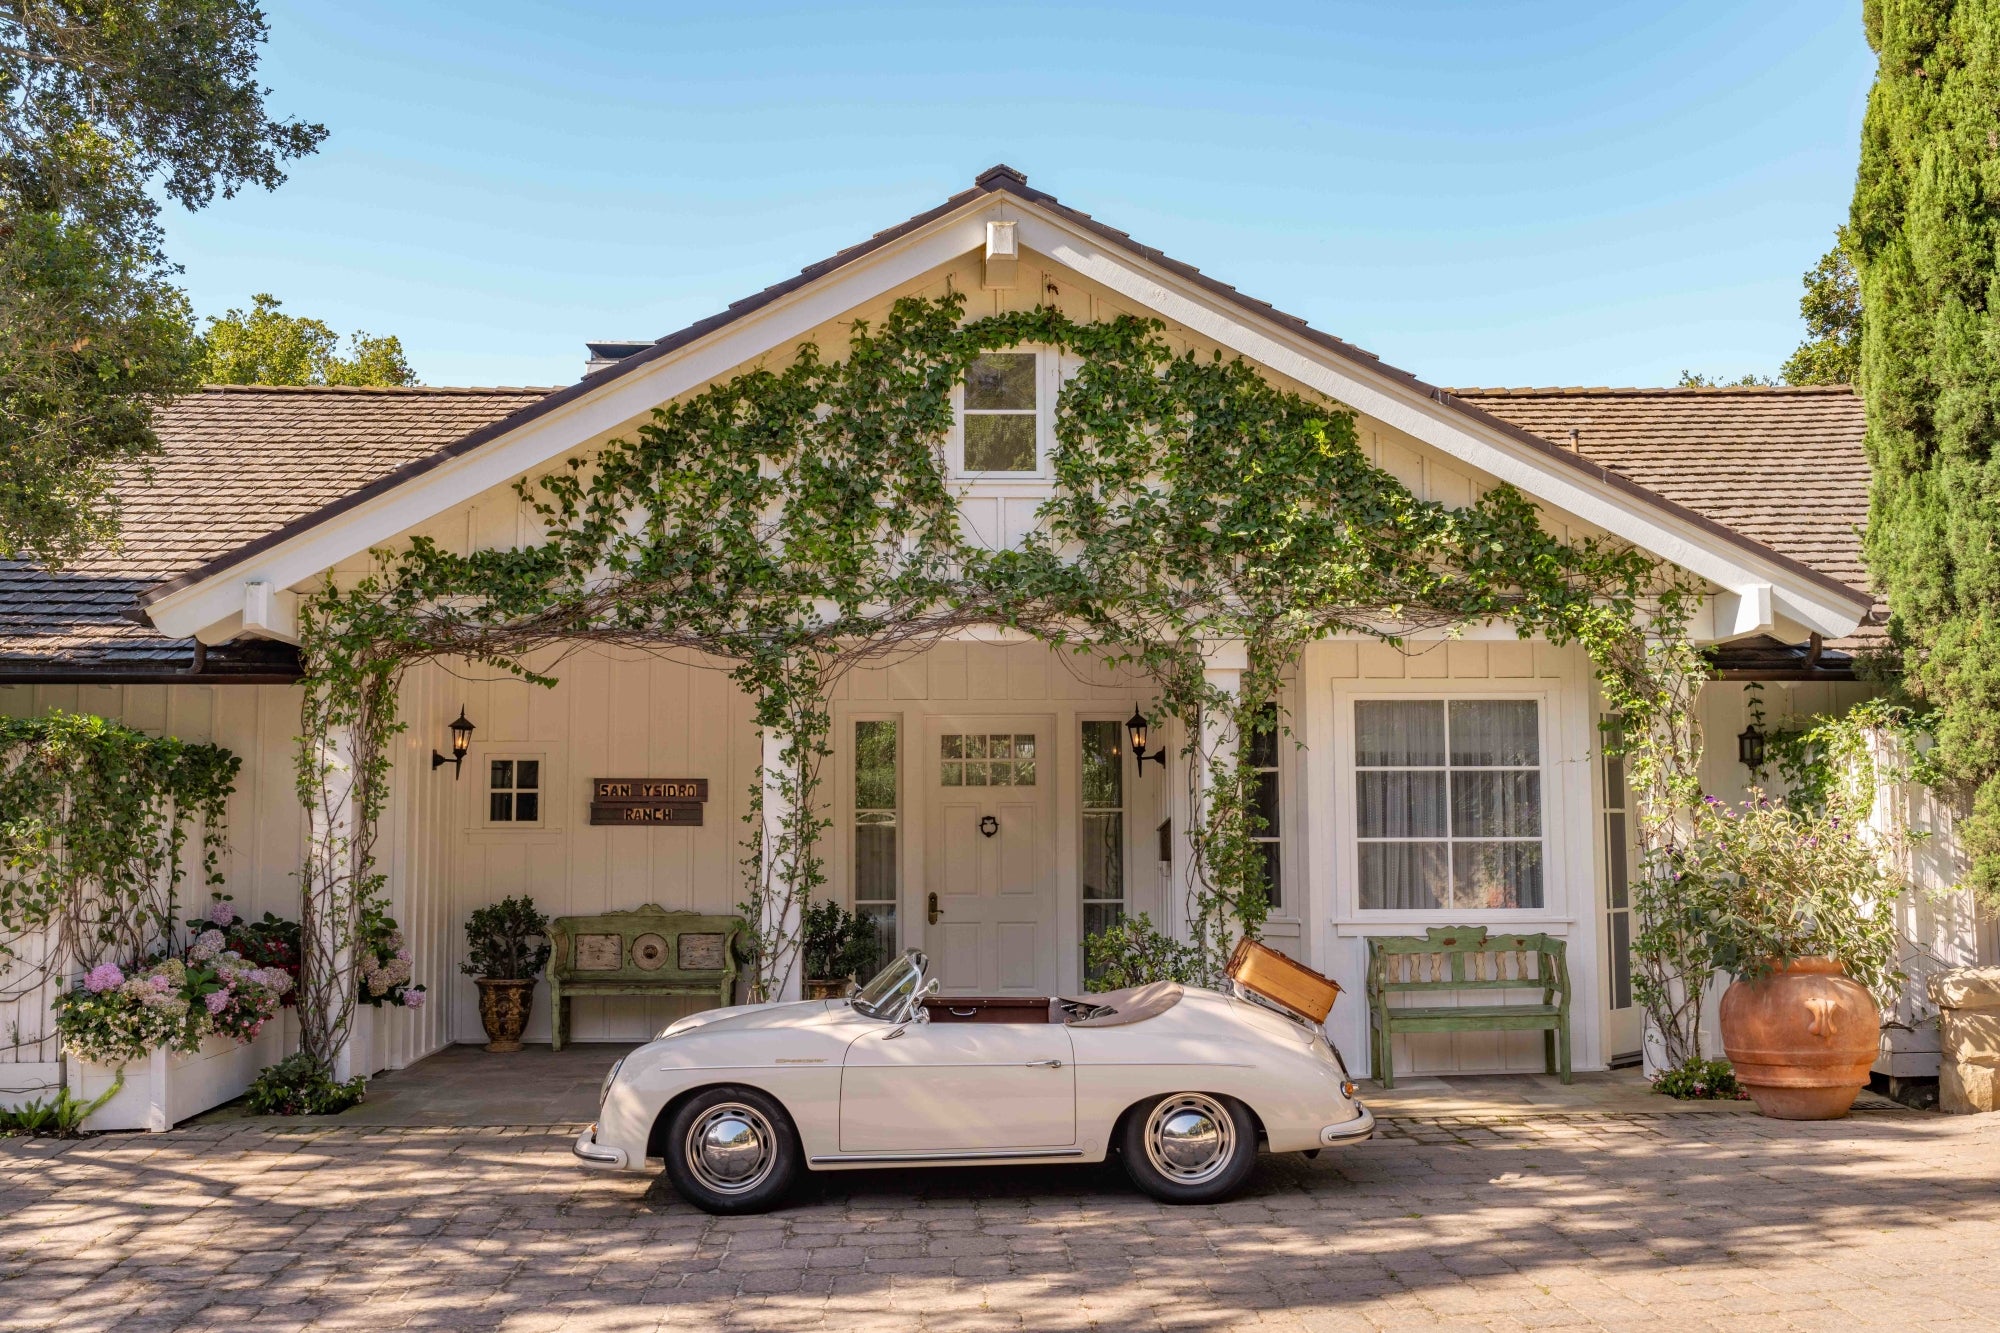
[(461, 741), (1135, 732), (1750, 747)]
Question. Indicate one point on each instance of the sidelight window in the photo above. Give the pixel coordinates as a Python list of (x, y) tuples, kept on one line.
[(1449, 803), (1102, 844), (1263, 754), (877, 826)]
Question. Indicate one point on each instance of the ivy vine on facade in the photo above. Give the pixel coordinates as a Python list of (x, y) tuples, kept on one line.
[(796, 522)]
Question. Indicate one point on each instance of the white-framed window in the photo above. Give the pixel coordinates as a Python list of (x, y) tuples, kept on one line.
[(1003, 424), (514, 791), (877, 830), (1448, 799), (1101, 841), (1618, 852), (1262, 750)]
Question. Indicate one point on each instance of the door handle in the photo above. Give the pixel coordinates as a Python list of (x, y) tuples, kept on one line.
[(1045, 1064), (934, 912)]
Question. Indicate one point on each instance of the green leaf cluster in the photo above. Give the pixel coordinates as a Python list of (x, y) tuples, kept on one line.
[(266, 346), (94, 819), (101, 101), (1924, 234)]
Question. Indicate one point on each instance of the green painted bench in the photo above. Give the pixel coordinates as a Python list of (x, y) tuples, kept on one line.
[(650, 951), (1465, 958)]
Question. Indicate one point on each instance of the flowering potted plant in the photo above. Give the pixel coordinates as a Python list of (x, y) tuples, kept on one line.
[(1798, 905), (190, 1017), (270, 943), (384, 964), (508, 943)]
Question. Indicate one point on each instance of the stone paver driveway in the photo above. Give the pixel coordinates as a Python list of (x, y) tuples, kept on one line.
[(1628, 1222)]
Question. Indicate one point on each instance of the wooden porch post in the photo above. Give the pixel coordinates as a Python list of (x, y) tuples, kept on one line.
[(781, 913)]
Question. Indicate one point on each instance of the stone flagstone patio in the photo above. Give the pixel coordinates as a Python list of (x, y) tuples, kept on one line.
[(1496, 1205)]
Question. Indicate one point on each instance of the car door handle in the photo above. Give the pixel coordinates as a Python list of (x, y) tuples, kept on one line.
[(1045, 1064)]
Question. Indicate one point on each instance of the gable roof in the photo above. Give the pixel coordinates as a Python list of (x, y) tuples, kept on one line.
[(1783, 465), (237, 462), (1002, 180)]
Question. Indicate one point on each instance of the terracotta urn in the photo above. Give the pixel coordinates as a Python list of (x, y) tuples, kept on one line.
[(503, 1010), (1802, 1039)]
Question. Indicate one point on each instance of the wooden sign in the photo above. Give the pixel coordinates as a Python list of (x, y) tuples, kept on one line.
[(654, 802), (649, 789), (669, 814)]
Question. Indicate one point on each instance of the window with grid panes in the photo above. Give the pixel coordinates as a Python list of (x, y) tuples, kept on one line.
[(514, 791), (1101, 847), (1449, 803), (877, 826), (1001, 412), (1263, 752), (1617, 863)]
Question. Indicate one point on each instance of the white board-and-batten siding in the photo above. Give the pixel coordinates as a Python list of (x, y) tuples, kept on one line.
[(259, 724)]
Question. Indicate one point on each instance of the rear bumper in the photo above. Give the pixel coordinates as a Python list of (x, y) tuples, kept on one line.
[(592, 1153), (1349, 1131)]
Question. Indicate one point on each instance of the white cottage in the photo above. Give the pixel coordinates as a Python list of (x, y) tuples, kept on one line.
[(263, 493)]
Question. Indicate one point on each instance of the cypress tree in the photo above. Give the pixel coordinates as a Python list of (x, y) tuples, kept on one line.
[(1925, 237)]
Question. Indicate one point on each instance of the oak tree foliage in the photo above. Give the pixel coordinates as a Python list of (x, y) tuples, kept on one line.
[(1831, 307), (266, 346), (105, 106)]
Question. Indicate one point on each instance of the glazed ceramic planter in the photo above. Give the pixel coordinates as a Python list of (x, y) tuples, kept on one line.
[(1802, 1039), (503, 1010)]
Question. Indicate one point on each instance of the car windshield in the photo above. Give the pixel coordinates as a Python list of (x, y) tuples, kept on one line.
[(890, 989)]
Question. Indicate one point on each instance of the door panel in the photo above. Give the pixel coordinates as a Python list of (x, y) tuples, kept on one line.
[(994, 890), (958, 1087)]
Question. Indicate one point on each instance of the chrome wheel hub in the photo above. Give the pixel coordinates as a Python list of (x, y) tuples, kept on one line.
[(731, 1148), (1190, 1138)]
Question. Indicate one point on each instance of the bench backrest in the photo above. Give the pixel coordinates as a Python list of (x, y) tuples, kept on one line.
[(1451, 958), (649, 944)]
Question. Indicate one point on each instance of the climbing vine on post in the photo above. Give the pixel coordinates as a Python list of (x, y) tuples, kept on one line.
[(798, 520)]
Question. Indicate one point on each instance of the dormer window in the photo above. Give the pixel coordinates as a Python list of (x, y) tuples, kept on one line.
[(1002, 413)]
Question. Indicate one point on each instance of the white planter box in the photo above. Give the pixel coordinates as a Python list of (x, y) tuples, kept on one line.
[(167, 1087)]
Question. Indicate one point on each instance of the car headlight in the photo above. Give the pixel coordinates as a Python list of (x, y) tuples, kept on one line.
[(610, 1078)]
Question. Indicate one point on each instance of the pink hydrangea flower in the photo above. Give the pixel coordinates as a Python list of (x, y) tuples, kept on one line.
[(103, 977), (222, 913), (413, 999), (216, 1000), (162, 982)]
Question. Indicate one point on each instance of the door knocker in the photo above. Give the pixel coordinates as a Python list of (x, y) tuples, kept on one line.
[(988, 825)]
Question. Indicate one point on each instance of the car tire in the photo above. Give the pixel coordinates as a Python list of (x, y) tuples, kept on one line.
[(1189, 1147), (732, 1150)]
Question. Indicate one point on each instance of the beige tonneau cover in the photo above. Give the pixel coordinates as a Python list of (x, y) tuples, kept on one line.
[(1114, 1008)]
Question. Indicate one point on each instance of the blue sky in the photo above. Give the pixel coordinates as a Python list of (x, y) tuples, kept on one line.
[(1482, 192)]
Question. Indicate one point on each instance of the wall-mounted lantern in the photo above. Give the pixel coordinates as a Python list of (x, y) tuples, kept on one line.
[(461, 741), (1135, 732), (1750, 747)]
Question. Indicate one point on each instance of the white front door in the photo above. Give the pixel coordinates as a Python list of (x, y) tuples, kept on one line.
[(989, 856)]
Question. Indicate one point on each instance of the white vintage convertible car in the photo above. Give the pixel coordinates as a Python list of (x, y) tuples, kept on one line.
[(1185, 1085)]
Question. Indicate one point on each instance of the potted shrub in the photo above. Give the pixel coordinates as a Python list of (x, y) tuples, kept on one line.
[(837, 945), (508, 943), (1798, 906)]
